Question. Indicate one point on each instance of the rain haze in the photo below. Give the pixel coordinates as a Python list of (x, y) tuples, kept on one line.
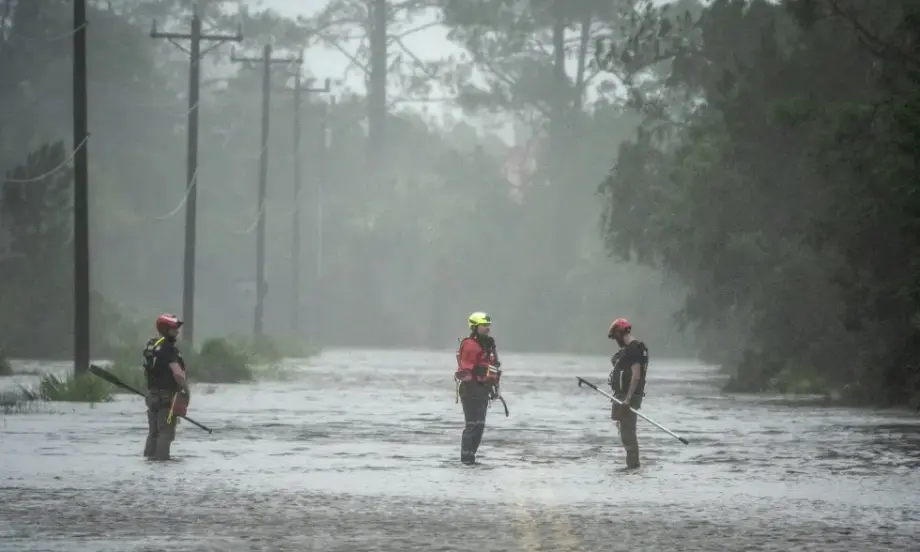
[(507, 275)]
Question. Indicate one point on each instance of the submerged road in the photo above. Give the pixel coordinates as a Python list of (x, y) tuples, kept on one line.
[(360, 452)]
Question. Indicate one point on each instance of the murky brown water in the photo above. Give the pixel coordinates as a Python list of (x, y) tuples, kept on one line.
[(361, 453)]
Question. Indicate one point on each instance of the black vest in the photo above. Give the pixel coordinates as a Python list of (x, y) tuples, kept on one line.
[(621, 374), (158, 354)]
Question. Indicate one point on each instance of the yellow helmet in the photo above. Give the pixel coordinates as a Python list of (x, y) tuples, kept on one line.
[(479, 319)]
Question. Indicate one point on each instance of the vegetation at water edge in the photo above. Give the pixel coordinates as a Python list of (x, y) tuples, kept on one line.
[(219, 360), (83, 388), (775, 173)]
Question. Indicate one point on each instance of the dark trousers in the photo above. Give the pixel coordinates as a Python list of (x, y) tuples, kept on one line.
[(627, 428), (160, 432), (475, 399)]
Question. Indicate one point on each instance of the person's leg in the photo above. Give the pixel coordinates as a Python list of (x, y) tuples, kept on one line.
[(628, 437), (474, 418), (480, 410), (152, 428), (166, 431)]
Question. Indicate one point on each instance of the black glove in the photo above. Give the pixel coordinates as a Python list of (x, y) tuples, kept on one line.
[(480, 371), (498, 363)]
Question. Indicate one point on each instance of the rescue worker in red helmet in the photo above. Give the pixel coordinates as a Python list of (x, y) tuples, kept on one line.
[(167, 387), (477, 377), (627, 379)]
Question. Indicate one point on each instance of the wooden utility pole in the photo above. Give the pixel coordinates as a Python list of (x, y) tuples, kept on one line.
[(194, 87), (266, 60), (81, 330), (322, 169), (295, 223), (377, 89)]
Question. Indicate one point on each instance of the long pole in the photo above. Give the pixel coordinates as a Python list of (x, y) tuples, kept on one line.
[(191, 180), (261, 286), (191, 169), (298, 185), (582, 381), (81, 284), (295, 220), (325, 143), (263, 184)]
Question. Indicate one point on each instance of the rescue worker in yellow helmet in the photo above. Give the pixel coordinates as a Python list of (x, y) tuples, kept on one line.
[(477, 386)]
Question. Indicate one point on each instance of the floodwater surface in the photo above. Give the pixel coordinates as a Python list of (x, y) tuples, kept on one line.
[(359, 451)]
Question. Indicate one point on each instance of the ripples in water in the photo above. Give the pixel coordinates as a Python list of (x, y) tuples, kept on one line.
[(344, 459)]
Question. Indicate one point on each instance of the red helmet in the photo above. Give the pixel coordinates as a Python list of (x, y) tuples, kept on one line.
[(620, 324), (168, 321)]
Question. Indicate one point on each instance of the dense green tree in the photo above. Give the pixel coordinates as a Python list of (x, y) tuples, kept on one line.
[(785, 196)]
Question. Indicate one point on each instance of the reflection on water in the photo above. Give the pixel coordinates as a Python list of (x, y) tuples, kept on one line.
[(360, 453)]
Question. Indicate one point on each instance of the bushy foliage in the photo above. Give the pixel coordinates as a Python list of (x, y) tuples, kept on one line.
[(83, 388), (219, 361), (786, 197)]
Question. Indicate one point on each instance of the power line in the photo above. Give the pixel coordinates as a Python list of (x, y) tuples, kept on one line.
[(195, 36), (295, 220), (261, 288)]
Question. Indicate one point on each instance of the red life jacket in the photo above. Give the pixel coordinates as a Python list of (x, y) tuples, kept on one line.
[(470, 354)]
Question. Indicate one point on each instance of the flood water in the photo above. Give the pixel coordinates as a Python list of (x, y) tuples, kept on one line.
[(360, 451)]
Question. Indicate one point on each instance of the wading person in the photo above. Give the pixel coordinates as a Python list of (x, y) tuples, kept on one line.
[(627, 379), (476, 382), (167, 387)]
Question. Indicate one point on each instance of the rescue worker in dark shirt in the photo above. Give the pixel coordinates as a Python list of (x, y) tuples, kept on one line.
[(167, 387), (627, 379), (478, 378)]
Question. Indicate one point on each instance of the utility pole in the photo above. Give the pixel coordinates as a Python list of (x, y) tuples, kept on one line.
[(194, 87), (81, 330), (322, 170), (295, 223), (266, 60)]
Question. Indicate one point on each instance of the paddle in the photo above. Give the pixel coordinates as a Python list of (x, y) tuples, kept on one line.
[(111, 378)]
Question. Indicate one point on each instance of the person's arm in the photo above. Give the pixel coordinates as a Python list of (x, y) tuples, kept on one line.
[(171, 355), (633, 381), (634, 357), (466, 358), (494, 351), (179, 375)]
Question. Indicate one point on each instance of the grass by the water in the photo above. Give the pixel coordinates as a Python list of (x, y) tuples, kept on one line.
[(224, 360), (219, 360), (82, 388)]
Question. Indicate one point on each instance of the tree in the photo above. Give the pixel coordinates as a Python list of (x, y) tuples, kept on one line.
[(35, 202), (761, 196)]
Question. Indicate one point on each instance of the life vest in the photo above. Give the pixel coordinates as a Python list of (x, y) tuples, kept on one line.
[(621, 374), (476, 363), (158, 354)]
